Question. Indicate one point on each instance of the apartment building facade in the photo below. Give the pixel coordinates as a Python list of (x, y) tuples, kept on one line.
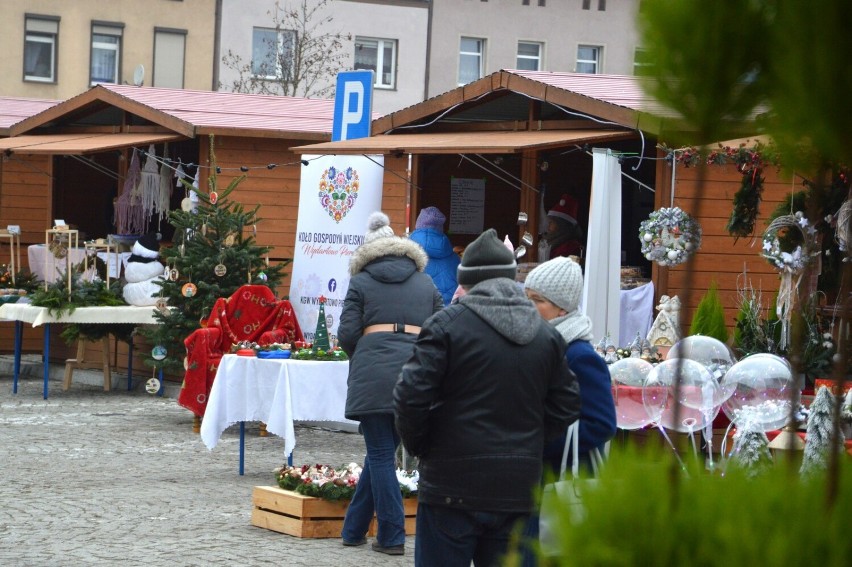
[(470, 39), (57, 49)]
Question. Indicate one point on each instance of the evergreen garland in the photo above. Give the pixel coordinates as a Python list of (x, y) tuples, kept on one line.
[(746, 205)]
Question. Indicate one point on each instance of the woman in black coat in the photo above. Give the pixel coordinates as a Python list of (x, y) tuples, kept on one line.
[(388, 299)]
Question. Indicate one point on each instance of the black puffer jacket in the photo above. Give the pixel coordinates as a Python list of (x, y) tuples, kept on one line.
[(487, 385), (388, 285)]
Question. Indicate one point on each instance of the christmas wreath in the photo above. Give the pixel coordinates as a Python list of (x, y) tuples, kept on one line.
[(669, 236), (786, 243)]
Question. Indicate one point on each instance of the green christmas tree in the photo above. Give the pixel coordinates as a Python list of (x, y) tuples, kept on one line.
[(321, 335), (214, 249), (818, 437), (709, 319), (751, 451)]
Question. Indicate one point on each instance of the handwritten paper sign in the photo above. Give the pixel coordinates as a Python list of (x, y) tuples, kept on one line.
[(467, 205)]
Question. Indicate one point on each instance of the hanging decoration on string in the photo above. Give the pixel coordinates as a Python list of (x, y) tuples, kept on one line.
[(129, 218), (669, 236), (788, 245)]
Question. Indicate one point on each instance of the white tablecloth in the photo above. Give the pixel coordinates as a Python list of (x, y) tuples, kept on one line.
[(637, 313), (102, 315), (38, 253), (276, 392)]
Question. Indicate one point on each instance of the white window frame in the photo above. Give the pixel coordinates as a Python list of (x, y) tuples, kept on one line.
[(597, 62), (480, 55), (286, 39), (381, 45), (108, 30), (537, 58), (41, 30)]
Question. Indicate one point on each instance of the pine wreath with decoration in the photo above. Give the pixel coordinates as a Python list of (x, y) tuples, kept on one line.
[(669, 236)]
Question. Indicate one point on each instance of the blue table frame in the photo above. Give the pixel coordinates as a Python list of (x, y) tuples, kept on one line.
[(21, 313)]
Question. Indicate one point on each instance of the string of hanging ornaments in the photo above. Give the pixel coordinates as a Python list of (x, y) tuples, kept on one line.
[(788, 245), (669, 236)]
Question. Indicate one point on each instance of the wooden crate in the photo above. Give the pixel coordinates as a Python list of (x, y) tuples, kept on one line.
[(291, 513)]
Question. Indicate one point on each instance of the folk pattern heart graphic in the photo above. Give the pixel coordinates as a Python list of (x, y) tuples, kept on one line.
[(338, 191)]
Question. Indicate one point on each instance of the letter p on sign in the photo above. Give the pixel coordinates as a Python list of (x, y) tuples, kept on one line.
[(353, 105)]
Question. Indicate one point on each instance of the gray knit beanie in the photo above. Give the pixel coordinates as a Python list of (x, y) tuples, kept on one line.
[(485, 258), (560, 281), (378, 226)]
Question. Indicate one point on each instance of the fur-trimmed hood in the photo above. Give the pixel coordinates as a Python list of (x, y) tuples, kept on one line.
[(387, 246)]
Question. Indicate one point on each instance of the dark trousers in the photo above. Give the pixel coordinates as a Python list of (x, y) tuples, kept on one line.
[(449, 537)]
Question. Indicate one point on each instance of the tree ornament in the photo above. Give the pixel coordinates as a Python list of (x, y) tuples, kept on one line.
[(189, 289), (152, 386), (214, 197), (669, 236), (262, 276), (230, 240), (162, 305), (220, 270), (158, 352), (186, 204), (174, 274)]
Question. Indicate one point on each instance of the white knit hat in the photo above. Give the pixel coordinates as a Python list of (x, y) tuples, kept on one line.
[(560, 281), (378, 226)]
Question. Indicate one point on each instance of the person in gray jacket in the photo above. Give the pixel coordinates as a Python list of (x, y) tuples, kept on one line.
[(486, 387), (388, 299)]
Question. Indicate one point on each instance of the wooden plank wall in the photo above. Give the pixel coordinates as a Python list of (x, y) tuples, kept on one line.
[(25, 200), (721, 258)]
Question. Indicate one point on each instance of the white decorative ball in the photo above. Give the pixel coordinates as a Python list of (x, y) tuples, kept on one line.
[(648, 237), (689, 246), (672, 254)]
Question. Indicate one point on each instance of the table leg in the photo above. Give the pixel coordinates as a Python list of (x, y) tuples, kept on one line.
[(46, 360), (19, 336), (242, 446), (130, 365)]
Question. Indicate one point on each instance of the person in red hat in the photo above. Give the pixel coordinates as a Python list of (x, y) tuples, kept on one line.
[(564, 236)]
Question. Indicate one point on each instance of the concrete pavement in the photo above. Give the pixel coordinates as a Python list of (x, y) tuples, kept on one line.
[(119, 478)]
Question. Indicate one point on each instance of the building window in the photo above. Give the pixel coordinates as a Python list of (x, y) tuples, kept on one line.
[(587, 4), (379, 56), (529, 56), (470, 59), (169, 57), (589, 59), (272, 53), (42, 33), (106, 53)]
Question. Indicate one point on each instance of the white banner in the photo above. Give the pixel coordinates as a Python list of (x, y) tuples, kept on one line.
[(336, 196), (602, 277)]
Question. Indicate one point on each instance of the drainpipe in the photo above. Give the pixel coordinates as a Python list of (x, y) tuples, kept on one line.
[(217, 44), (428, 51)]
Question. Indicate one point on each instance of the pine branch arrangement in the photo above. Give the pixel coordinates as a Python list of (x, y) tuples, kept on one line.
[(751, 452)]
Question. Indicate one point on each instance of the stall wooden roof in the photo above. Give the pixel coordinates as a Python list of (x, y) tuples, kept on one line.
[(80, 144), (15, 109), (193, 113)]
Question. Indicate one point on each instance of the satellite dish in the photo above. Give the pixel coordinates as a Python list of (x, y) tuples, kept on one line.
[(139, 75)]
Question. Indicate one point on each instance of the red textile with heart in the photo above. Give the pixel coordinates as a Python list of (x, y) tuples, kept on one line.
[(252, 313)]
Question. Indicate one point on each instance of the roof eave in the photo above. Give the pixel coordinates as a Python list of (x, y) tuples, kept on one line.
[(99, 94)]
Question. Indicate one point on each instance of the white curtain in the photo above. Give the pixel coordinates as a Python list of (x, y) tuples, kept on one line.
[(602, 278)]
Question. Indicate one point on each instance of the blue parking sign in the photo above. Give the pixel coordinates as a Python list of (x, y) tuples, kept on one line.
[(353, 105)]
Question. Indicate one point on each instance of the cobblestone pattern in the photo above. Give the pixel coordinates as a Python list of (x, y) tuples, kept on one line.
[(119, 478)]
